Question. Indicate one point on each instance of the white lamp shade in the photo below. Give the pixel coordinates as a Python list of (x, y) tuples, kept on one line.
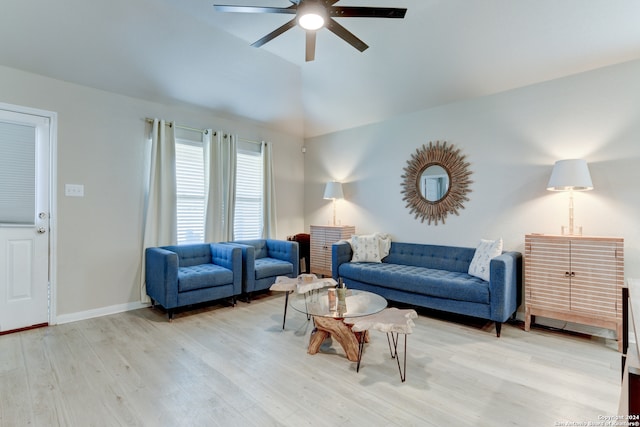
[(333, 190), (572, 174)]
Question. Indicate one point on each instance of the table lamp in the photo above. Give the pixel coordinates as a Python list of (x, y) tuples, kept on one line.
[(570, 175), (333, 191)]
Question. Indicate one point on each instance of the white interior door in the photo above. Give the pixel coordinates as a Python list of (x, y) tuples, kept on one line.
[(25, 150)]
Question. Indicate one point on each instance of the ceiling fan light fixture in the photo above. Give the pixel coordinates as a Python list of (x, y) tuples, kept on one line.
[(311, 21), (311, 15)]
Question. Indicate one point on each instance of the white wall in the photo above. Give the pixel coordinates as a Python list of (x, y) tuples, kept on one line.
[(511, 140), (101, 144)]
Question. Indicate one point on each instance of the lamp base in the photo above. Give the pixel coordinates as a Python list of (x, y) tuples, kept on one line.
[(571, 231)]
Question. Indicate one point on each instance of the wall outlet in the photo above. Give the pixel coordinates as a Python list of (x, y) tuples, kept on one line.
[(74, 190)]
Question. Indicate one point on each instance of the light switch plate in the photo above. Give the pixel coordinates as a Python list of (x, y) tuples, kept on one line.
[(74, 190)]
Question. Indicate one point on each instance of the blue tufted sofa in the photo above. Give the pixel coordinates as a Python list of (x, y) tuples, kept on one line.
[(265, 259), (436, 277), (177, 276)]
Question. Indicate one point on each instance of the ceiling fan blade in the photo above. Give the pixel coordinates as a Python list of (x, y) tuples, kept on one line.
[(275, 33), (310, 49), (346, 35), (366, 12), (255, 9)]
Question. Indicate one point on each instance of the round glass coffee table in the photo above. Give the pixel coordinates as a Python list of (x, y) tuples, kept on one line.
[(329, 321)]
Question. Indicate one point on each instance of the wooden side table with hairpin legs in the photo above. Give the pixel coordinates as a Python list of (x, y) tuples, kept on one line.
[(304, 283)]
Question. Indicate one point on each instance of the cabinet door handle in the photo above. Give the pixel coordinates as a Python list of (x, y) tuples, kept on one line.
[(566, 274), (573, 274)]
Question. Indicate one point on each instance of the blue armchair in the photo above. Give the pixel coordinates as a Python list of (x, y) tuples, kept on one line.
[(265, 259), (177, 276)]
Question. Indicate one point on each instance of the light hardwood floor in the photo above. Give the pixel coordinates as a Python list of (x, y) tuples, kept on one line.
[(234, 366)]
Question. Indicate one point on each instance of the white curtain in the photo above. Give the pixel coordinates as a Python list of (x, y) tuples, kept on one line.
[(220, 170), (214, 208), (269, 224), (230, 153), (160, 223)]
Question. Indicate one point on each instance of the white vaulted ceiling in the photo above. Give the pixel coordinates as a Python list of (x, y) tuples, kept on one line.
[(443, 51)]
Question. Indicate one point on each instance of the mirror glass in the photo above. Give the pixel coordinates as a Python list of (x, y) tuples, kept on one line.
[(434, 183)]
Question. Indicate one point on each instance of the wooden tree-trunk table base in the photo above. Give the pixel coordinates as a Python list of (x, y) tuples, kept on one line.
[(336, 328)]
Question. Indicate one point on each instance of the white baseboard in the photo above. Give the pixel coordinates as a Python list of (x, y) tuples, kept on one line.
[(98, 312)]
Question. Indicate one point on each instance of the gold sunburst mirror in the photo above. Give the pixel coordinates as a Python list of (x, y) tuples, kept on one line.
[(436, 182)]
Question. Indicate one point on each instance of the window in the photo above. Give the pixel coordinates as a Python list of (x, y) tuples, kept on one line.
[(18, 144), (190, 190), (247, 222)]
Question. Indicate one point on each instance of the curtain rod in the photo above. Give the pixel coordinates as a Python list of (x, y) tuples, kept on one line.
[(205, 131), (249, 141), (226, 135)]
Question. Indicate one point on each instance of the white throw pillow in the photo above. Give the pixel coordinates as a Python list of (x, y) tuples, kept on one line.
[(365, 248), (486, 250), (384, 244)]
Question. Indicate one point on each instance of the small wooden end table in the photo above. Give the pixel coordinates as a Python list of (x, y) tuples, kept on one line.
[(304, 283)]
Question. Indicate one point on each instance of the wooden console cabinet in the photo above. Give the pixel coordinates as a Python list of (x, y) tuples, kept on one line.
[(322, 237), (576, 279)]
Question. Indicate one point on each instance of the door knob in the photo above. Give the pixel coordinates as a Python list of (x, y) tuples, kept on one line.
[(41, 230)]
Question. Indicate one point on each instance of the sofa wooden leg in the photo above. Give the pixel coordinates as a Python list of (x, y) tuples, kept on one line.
[(498, 328), (170, 315)]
